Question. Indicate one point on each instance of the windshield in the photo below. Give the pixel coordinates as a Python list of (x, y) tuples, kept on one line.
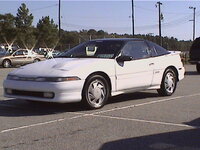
[(95, 49)]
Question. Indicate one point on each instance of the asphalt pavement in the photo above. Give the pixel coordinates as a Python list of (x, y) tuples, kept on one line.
[(137, 121)]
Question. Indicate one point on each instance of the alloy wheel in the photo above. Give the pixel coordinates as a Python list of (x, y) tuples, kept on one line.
[(169, 82), (96, 93)]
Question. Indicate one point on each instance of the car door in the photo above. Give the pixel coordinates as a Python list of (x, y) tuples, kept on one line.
[(19, 57), (158, 54), (30, 56), (136, 73)]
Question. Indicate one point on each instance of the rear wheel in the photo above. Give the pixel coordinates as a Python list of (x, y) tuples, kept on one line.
[(6, 63), (169, 82), (198, 67), (36, 60), (95, 92)]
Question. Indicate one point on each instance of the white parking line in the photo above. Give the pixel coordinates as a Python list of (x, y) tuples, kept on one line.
[(80, 115), (146, 121), (39, 124), (33, 125), (147, 103)]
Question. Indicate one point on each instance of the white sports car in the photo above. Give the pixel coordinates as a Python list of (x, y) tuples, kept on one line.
[(95, 70)]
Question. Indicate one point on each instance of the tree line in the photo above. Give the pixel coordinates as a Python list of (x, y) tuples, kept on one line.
[(20, 31)]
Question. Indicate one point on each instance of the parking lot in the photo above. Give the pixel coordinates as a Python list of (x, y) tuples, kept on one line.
[(137, 121)]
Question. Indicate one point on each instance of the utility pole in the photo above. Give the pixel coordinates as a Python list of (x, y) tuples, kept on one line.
[(159, 11), (59, 18), (133, 24), (194, 9)]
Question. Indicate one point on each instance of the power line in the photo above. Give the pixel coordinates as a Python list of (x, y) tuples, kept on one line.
[(152, 10), (36, 9), (44, 7), (179, 21)]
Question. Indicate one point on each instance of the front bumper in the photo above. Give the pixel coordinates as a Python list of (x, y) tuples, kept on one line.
[(64, 92), (194, 61)]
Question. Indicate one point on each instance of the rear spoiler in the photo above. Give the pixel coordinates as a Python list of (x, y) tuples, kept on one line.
[(175, 52)]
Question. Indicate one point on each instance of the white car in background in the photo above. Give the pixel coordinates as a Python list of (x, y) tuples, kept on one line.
[(97, 69)]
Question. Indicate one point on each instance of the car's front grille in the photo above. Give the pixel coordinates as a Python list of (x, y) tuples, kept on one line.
[(28, 93)]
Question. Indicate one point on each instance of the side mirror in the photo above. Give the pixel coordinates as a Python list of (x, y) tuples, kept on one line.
[(124, 58)]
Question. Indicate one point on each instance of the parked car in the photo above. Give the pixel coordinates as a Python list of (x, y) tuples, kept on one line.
[(19, 57), (9, 48), (2, 51), (195, 54), (94, 70), (47, 52)]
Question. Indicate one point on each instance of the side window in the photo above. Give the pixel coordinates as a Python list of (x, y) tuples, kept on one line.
[(136, 49), (18, 53)]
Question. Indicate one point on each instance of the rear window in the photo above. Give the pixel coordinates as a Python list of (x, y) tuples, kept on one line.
[(157, 50)]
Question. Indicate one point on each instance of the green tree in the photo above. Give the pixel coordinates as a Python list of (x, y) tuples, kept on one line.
[(91, 33), (24, 20), (47, 32), (25, 31), (7, 28), (101, 34), (69, 39)]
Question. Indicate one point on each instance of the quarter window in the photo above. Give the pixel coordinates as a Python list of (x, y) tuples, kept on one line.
[(157, 50)]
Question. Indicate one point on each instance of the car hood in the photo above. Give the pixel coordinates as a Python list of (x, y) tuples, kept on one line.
[(59, 67)]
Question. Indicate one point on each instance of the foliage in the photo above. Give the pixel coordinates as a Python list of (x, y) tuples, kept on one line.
[(47, 32), (25, 31), (7, 28), (24, 19)]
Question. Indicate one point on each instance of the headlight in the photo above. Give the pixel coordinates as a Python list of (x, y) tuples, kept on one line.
[(56, 79), (43, 79), (12, 77), (40, 79)]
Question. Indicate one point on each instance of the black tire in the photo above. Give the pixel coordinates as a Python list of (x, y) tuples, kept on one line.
[(198, 68), (6, 63), (168, 84), (36, 60), (95, 92)]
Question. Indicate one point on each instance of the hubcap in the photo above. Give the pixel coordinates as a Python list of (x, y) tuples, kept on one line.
[(35, 60), (7, 64), (96, 93), (169, 82)]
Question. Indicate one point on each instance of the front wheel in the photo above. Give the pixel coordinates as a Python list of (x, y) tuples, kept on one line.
[(95, 92), (6, 63), (36, 60), (198, 67), (169, 82)]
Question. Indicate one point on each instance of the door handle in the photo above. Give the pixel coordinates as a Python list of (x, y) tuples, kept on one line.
[(151, 64)]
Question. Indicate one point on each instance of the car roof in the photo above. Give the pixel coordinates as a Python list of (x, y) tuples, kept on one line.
[(119, 39)]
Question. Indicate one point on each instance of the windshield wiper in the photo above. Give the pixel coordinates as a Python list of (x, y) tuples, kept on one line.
[(62, 57), (83, 56)]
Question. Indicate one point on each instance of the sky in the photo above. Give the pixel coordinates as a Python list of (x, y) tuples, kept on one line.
[(114, 16)]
